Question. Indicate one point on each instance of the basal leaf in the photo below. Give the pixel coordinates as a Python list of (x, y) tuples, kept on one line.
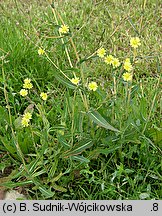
[(39, 173), (57, 177), (9, 184), (86, 59), (63, 141), (64, 81), (98, 119), (78, 148), (59, 188), (46, 192), (7, 145), (17, 123), (80, 159)]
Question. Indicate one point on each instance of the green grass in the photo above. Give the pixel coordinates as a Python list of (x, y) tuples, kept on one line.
[(81, 144)]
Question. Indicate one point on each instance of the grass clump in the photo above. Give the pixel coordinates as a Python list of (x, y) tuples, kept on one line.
[(80, 100)]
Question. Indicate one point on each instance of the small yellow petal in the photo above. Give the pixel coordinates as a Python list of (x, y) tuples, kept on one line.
[(92, 86), (25, 122), (115, 63), (135, 42), (127, 65), (27, 81), (101, 52), (64, 29), (109, 59), (127, 60), (75, 81), (23, 92), (28, 85), (127, 77), (27, 116), (43, 95), (41, 51)]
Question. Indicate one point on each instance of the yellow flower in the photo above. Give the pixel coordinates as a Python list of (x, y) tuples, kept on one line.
[(127, 60), (115, 63), (92, 86), (101, 52), (109, 59), (135, 42), (27, 80), (27, 85), (25, 122), (26, 119), (23, 92), (41, 51), (75, 81), (64, 29), (127, 65), (127, 77), (43, 95), (27, 116)]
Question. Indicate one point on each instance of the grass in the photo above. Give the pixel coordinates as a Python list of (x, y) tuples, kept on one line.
[(80, 144)]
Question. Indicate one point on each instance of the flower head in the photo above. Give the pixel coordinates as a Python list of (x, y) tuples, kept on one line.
[(27, 116), (127, 76), (41, 51), (109, 59), (24, 122), (128, 65), (43, 95), (75, 81), (135, 42), (64, 29), (101, 52), (115, 63), (92, 86), (26, 119), (27, 80), (28, 85), (23, 92), (127, 60)]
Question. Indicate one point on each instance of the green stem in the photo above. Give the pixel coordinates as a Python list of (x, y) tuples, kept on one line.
[(127, 98), (114, 96), (56, 66), (83, 96), (62, 40), (73, 112)]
